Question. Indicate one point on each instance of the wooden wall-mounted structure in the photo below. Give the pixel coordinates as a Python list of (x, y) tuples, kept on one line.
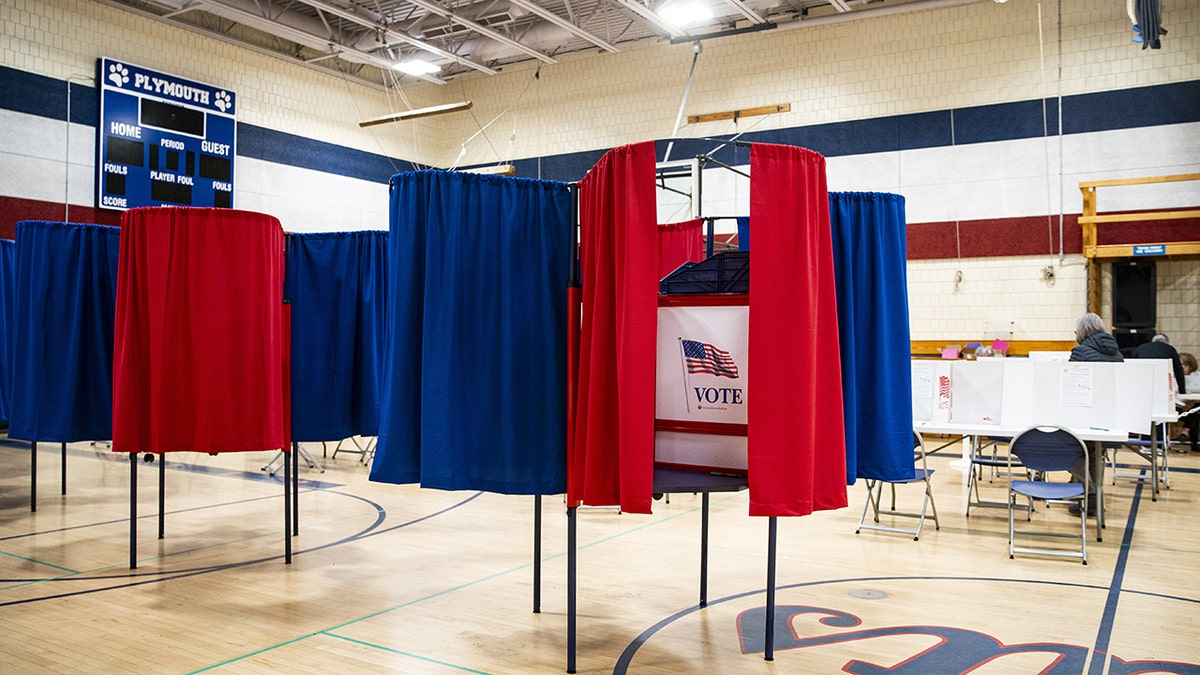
[(1097, 253)]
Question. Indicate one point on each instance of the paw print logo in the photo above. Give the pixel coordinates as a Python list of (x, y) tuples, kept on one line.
[(118, 74), (223, 101)]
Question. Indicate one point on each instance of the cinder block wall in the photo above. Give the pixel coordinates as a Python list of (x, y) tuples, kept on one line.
[(956, 56)]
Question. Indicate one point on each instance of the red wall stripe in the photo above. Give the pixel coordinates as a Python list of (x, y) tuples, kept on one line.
[(15, 209)]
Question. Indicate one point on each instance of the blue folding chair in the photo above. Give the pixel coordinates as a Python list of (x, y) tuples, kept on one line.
[(921, 474), (1041, 450)]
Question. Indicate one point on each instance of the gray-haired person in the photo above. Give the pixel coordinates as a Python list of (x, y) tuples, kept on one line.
[(1095, 344)]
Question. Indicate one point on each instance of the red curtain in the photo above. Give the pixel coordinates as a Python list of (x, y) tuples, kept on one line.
[(797, 444), (199, 361), (612, 448), (679, 243)]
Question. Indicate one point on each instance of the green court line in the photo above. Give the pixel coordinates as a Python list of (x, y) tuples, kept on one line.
[(445, 591), (37, 562), (408, 654)]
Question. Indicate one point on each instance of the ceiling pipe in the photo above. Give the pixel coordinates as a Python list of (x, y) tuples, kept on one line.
[(875, 12)]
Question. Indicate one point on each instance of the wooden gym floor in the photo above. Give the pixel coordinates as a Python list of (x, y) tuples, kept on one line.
[(398, 579)]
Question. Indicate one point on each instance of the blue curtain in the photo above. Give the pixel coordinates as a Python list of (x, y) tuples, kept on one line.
[(475, 385), (743, 229), (869, 253), (66, 286), (8, 276), (337, 287)]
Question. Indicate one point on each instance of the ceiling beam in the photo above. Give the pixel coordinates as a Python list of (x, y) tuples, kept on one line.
[(746, 11), (367, 22), (301, 36), (565, 25), (645, 14), (481, 29)]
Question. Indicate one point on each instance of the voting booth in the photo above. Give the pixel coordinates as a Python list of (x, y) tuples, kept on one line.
[(701, 375)]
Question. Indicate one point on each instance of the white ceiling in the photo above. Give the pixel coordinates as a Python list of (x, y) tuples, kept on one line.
[(363, 38)]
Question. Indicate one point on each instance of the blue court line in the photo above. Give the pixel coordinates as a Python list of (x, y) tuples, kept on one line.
[(54, 447), (1104, 633), (176, 574)]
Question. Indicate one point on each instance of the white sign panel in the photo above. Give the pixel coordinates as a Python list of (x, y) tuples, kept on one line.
[(702, 364)]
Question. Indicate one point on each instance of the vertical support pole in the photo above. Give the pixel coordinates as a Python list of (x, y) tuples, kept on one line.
[(703, 549), (287, 507), (133, 462), (1154, 459), (1090, 240), (33, 476), (295, 459), (1097, 459), (769, 636), (64, 468), (571, 600), (537, 554), (162, 495)]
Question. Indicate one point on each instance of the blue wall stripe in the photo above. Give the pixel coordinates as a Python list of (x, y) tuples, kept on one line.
[(306, 153), (1156, 105)]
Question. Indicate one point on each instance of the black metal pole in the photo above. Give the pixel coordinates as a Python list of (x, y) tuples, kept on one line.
[(162, 496), (133, 462), (287, 509), (64, 468), (703, 549), (295, 487), (769, 638), (33, 476), (571, 605), (537, 554)]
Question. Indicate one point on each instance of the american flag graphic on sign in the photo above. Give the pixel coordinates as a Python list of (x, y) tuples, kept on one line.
[(702, 357)]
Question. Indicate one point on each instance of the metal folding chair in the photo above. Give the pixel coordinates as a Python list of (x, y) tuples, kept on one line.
[(1043, 450), (921, 474)]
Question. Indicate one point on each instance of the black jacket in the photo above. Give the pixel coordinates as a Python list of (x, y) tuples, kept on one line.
[(1162, 350), (1098, 347)]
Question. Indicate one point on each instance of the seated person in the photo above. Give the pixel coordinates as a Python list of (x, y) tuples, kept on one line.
[(1160, 348), (1191, 421), (1094, 345)]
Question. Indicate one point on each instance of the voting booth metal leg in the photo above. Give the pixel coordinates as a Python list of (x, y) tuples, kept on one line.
[(64, 468), (571, 606), (162, 496), (133, 462), (295, 503), (287, 510), (1154, 460), (704, 549), (1098, 474), (537, 554), (769, 636), (33, 476)]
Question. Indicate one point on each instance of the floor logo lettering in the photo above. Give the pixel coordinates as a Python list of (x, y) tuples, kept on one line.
[(958, 650)]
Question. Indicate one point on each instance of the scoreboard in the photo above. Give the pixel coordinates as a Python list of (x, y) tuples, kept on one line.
[(163, 140)]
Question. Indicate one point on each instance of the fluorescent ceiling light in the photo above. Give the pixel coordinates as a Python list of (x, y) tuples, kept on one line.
[(684, 13), (417, 67)]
